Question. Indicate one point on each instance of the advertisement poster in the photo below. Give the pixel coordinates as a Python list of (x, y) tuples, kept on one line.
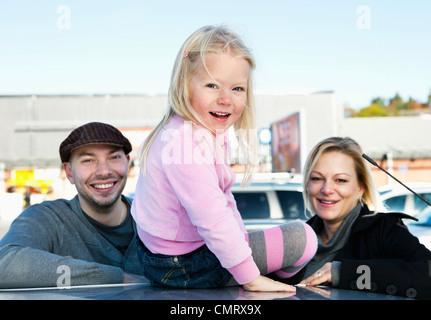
[(286, 144)]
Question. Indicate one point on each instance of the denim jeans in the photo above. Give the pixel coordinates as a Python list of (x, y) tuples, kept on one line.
[(197, 269)]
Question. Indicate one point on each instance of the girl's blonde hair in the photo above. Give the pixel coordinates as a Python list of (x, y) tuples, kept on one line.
[(208, 39), (348, 147)]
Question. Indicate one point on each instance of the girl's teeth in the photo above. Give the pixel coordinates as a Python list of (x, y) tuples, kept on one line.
[(221, 115)]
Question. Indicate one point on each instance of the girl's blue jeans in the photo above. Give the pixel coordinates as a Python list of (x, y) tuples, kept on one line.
[(197, 269)]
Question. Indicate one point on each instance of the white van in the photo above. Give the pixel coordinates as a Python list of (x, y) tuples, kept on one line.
[(270, 199)]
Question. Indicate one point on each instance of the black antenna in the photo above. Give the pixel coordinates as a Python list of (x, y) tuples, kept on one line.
[(375, 164)]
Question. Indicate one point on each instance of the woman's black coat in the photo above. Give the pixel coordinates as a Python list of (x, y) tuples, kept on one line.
[(397, 263)]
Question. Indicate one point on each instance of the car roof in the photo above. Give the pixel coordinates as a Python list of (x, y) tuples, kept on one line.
[(395, 189), (266, 186), (144, 291), (266, 181)]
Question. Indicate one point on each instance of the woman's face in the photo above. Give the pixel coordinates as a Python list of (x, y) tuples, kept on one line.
[(333, 187), (219, 95)]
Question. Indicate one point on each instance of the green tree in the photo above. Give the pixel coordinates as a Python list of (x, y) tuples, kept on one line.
[(407, 105), (374, 110), (378, 101), (378, 108)]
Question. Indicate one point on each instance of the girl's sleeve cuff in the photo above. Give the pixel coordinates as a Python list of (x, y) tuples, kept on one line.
[(245, 272)]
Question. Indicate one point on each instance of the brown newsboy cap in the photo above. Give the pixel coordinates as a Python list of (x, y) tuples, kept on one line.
[(93, 133)]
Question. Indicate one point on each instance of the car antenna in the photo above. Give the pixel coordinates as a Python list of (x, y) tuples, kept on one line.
[(375, 164)]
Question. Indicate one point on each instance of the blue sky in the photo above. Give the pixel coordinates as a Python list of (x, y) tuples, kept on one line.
[(98, 47)]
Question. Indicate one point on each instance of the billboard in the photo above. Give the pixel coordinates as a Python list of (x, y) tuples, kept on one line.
[(286, 144)]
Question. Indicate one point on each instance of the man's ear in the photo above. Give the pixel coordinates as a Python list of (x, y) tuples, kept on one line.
[(68, 171)]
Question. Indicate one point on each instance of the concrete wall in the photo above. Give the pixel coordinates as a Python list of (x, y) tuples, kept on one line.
[(32, 127)]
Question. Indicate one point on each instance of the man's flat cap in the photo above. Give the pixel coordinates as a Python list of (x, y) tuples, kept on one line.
[(93, 133)]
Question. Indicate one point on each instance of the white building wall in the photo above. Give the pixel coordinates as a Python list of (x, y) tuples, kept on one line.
[(32, 128), (405, 137)]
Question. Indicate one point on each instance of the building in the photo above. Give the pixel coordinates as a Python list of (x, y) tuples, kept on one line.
[(32, 128)]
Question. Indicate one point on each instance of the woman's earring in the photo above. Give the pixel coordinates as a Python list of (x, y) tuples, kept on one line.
[(361, 201)]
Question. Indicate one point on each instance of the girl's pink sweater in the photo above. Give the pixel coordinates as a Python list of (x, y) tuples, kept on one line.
[(184, 200)]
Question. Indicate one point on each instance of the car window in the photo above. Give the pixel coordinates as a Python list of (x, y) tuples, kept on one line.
[(396, 203), (292, 204), (424, 219), (252, 205), (419, 204)]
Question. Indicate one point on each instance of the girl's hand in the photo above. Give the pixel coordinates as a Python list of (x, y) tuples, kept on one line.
[(321, 276), (262, 283)]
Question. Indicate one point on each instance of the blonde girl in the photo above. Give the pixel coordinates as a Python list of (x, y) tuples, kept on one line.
[(190, 231)]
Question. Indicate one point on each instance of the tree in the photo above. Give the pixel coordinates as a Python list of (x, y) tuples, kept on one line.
[(377, 108), (409, 104), (379, 101), (374, 110)]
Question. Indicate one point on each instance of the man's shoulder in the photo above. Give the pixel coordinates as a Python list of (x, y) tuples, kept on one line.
[(51, 204), (38, 220), (49, 208)]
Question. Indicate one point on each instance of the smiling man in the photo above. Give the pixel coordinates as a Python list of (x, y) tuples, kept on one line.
[(89, 239), (98, 167)]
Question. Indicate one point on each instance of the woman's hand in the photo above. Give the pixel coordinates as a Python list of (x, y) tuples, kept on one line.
[(263, 283), (321, 276)]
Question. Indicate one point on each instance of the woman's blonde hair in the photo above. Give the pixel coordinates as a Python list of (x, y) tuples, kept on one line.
[(348, 147), (208, 39)]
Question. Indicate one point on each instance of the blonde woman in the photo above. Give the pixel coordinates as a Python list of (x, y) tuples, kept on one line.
[(190, 231), (359, 248)]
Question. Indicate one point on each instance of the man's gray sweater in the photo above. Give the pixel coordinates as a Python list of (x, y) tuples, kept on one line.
[(53, 240)]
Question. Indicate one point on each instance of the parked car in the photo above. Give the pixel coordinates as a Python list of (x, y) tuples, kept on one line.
[(271, 199), (395, 197), (422, 228)]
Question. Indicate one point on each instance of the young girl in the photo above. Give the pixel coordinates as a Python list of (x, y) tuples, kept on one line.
[(191, 233)]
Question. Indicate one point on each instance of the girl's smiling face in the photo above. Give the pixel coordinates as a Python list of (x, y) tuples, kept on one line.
[(333, 187), (218, 94)]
